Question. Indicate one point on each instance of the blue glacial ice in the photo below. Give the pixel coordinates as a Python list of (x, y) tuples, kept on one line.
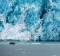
[(30, 20)]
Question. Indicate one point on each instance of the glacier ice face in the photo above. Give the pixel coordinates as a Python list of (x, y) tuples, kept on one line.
[(1, 26), (30, 20), (51, 29)]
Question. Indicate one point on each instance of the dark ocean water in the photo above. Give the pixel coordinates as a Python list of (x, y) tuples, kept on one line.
[(30, 49)]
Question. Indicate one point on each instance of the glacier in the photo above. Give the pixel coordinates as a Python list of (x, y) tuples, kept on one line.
[(33, 20)]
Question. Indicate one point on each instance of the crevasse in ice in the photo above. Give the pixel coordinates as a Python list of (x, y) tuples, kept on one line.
[(30, 20)]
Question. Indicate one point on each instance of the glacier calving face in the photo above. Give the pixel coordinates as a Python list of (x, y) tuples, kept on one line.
[(30, 20)]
